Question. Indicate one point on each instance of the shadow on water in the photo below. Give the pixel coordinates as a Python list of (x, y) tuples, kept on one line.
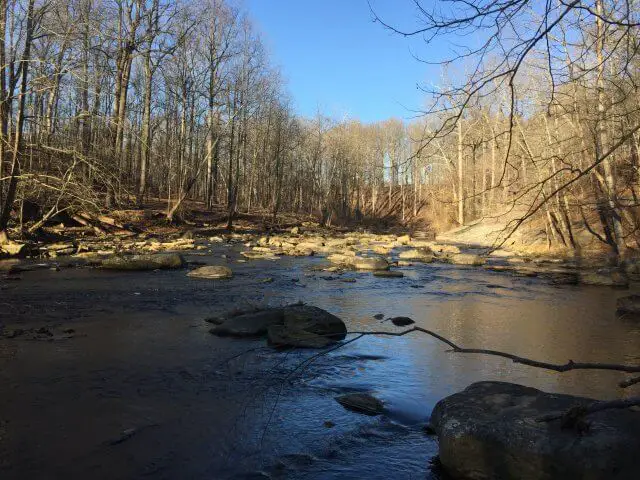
[(142, 388)]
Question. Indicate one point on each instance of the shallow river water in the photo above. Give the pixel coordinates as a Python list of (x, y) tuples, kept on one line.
[(143, 390)]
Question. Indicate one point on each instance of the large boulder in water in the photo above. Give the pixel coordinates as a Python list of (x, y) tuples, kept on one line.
[(144, 262), (252, 324), (491, 430), (628, 305), (388, 274), (305, 326), (315, 320), (301, 326)]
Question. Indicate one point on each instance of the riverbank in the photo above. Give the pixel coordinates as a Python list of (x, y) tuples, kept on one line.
[(342, 250), (145, 231)]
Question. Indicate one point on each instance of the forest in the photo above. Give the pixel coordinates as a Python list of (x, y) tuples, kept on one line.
[(109, 103)]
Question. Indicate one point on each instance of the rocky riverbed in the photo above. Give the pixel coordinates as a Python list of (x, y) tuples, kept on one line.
[(113, 367)]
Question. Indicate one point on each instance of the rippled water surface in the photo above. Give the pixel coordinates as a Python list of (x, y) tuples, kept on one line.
[(142, 388)]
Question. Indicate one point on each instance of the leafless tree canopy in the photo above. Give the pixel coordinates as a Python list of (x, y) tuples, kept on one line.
[(537, 112), (105, 103)]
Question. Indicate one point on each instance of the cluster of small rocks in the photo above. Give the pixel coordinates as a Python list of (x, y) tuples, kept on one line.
[(364, 251)]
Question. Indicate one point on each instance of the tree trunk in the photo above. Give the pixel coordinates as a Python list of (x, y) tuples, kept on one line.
[(17, 141)]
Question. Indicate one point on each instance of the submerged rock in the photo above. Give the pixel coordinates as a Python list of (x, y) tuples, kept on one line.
[(402, 321), (604, 278), (9, 265), (628, 305), (388, 274), (563, 278), (143, 262), (361, 403), (212, 272), (489, 431)]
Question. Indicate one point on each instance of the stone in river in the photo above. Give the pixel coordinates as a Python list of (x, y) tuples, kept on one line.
[(424, 255), (254, 324), (491, 430), (302, 326), (370, 263), (402, 321), (361, 403), (212, 272), (464, 259), (388, 274), (143, 262), (628, 305)]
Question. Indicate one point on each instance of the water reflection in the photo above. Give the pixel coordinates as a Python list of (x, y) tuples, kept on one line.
[(147, 359)]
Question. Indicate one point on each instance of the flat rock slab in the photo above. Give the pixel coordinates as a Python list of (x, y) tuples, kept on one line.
[(143, 262), (464, 259), (361, 403), (489, 431), (212, 272), (388, 274), (417, 255)]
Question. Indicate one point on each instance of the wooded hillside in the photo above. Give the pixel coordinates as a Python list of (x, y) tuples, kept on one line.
[(109, 103)]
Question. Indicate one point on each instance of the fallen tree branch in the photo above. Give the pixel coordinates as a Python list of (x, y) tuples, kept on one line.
[(87, 223), (556, 367), (629, 382), (572, 418)]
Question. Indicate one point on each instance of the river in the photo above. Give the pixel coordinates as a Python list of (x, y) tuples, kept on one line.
[(142, 389)]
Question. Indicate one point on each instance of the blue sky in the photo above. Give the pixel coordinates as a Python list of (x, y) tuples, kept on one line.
[(334, 57)]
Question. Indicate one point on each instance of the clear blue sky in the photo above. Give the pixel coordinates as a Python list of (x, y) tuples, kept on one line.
[(335, 57)]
